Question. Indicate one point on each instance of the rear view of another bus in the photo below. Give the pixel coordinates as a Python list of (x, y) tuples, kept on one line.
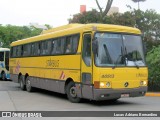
[(4, 63)]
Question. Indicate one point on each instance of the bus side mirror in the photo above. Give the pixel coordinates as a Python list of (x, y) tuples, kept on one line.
[(95, 47)]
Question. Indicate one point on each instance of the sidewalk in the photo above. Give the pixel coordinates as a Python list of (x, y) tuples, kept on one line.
[(153, 94)]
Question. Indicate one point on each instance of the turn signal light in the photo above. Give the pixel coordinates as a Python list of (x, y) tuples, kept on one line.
[(96, 84)]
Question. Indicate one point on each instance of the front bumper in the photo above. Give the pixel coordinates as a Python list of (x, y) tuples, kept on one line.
[(108, 94)]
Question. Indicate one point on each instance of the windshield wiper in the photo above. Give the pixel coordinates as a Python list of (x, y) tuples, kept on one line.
[(107, 53), (135, 61), (136, 64), (126, 58), (120, 56)]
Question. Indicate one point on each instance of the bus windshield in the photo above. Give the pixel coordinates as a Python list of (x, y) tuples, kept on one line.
[(119, 50)]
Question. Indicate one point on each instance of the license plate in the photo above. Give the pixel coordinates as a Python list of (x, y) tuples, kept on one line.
[(124, 95)]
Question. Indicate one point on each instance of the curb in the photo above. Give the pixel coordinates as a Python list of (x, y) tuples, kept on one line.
[(153, 94)]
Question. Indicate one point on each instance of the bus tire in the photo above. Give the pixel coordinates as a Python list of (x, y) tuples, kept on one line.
[(71, 93), (3, 76), (29, 88), (21, 83)]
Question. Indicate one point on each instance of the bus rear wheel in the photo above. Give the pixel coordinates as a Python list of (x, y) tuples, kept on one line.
[(3, 76), (71, 93), (29, 88)]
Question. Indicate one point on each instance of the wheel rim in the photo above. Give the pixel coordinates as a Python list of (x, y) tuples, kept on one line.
[(73, 92)]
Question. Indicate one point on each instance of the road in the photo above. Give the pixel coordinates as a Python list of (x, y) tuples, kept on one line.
[(14, 99)]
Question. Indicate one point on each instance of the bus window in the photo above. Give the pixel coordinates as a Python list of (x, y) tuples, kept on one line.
[(43, 47), (71, 44), (19, 51), (46, 47), (58, 46), (68, 45), (53, 47), (25, 50), (14, 52), (75, 42), (32, 49), (1, 56), (49, 46), (87, 49)]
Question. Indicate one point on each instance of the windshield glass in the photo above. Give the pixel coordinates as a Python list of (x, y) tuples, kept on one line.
[(119, 50)]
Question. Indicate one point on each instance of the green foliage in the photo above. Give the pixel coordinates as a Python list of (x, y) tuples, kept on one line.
[(153, 61), (10, 33), (92, 16)]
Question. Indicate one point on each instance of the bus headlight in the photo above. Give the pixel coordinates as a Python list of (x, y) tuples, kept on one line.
[(101, 84), (142, 83)]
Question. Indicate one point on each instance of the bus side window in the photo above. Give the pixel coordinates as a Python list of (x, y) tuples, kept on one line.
[(25, 50), (86, 53), (43, 47), (49, 47), (1, 56), (14, 51), (68, 45), (75, 41), (19, 53), (37, 48), (53, 47), (32, 49), (63, 40), (58, 46)]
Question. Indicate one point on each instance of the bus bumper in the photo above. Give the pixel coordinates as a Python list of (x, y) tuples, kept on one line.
[(108, 94)]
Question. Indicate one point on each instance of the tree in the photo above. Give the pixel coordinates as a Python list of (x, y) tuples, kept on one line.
[(92, 16), (137, 1), (106, 10), (153, 62), (10, 33)]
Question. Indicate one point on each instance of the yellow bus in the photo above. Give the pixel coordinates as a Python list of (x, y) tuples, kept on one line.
[(91, 61)]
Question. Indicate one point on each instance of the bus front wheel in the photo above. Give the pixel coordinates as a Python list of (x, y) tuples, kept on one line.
[(29, 88), (71, 93)]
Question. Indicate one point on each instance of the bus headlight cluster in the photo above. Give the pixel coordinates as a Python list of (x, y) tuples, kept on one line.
[(143, 83), (105, 84)]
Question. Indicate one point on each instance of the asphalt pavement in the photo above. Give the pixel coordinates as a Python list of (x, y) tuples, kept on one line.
[(12, 98)]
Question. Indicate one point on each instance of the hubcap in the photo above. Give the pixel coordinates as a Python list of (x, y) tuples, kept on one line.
[(73, 92)]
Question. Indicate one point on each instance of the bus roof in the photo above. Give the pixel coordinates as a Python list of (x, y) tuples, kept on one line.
[(77, 28), (4, 49)]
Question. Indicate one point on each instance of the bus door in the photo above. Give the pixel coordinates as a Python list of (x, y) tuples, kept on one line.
[(7, 60), (86, 67)]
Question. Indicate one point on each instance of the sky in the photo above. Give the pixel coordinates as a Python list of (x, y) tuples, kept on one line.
[(57, 12)]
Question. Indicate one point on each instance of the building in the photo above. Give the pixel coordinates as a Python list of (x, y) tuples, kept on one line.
[(113, 10)]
